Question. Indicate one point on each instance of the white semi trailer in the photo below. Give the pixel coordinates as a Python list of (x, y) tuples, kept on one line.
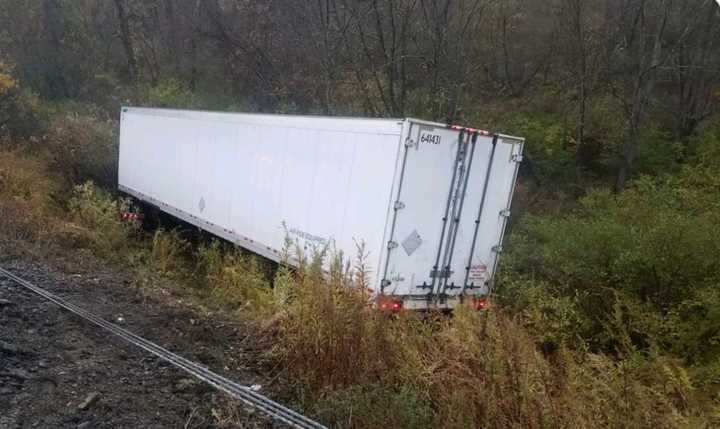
[(430, 201)]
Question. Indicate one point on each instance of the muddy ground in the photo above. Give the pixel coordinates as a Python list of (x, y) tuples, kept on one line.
[(58, 371)]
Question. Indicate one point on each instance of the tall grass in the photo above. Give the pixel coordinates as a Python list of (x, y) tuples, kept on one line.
[(236, 279), (356, 367), (169, 251), (36, 204), (27, 189), (96, 216)]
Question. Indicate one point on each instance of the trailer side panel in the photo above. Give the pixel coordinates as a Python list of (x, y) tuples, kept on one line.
[(259, 179)]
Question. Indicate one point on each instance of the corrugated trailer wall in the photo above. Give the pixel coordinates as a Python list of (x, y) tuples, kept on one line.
[(255, 179)]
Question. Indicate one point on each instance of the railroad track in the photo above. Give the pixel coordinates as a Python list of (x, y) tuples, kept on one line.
[(243, 393)]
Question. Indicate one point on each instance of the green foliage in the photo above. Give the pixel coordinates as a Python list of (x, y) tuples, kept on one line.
[(375, 406), (633, 392), (705, 147), (98, 214), (84, 148), (658, 153), (236, 279), (693, 327), (548, 147), (646, 257), (168, 93), (19, 110), (169, 252), (556, 318)]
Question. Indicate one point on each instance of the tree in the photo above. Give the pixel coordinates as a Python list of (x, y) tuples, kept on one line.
[(650, 34), (127, 38)]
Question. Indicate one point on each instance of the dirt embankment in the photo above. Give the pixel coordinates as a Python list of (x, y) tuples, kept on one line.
[(58, 371)]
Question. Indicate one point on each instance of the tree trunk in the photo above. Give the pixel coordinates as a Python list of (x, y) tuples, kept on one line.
[(126, 37), (643, 85), (582, 72)]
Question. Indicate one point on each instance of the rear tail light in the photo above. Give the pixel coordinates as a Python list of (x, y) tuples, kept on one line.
[(479, 303), (390, 305), (130, 216)]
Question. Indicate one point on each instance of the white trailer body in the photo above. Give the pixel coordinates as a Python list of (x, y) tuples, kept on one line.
[(429, 201)]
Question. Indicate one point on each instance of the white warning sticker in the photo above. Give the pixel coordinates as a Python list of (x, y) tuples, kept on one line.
[(478, 273), (412, 242)]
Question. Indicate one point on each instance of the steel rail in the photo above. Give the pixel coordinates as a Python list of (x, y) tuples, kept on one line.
[(238, 391)]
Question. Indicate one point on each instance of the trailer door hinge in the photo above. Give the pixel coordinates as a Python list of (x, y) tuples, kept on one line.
[(392, 244), (505, 212), (409, 143), (517, 157), (497, 249), (399, 205)]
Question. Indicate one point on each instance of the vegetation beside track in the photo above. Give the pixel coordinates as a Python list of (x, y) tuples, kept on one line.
[(593, 323)]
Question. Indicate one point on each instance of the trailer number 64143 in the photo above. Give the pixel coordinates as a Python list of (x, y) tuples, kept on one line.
[(429, 138)]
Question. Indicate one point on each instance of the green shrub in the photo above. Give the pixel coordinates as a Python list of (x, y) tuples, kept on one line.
[(547, 148), (375, 406), (649, 253), (169, 251), (168, 93), (657, 152), (19, 110), (236, 279), (84, 148), (692, 329), (98, 213), (554, 317), (332, 337)]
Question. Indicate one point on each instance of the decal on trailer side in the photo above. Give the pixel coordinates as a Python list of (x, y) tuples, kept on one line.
[(303, 235)]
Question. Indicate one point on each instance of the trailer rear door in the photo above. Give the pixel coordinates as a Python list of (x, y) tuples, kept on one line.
[(443, 212), (472, 259), (434, 164)]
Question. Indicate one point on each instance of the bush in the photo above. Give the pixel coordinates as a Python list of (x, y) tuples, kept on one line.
[(375, 406), (645, 259), (19, 111), (98, 213), (169, 93), (168, 251), (26, 196), (84, 148), (236, 279), (333, 338)]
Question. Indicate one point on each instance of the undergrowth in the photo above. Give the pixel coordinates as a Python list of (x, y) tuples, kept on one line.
[(98, 215), (27, 191), (356, 367), (236, 279), (538, 360), (169, 252)]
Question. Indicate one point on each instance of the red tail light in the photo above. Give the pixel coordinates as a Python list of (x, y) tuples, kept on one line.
[(130, 216), (479, 303), (389, 304)]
